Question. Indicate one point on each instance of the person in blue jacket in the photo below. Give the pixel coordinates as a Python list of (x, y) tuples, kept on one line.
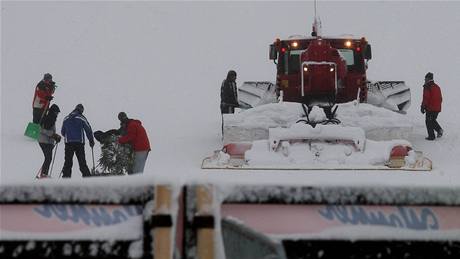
[(72, 130)]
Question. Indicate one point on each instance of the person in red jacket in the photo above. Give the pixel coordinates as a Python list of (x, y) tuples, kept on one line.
[(134, 134), (43, 95), (431, 105)]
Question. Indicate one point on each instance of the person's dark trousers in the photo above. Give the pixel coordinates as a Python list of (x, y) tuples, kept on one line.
[(79, 150), (48, 152), (37, 115), (432, 124)]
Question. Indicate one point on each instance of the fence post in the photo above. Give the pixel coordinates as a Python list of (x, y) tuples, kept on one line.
[(162, 223), (204, 222)]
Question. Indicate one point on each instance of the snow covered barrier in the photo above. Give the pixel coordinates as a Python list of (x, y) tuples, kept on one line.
[(357, 222), (97, 221)]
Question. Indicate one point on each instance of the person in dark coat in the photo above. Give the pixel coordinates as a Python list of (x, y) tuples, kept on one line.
[(134, 133), (72, 130), (43, 95), (431, 106), (48, 138), (229, 94)]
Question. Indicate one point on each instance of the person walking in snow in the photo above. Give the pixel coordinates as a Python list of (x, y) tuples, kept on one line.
[(133, 133), (43, 95), (229, 94), (431, 106), (72, 130), (48, 138)]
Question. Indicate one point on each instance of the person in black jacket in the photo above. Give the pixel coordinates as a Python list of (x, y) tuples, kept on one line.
[(229, 94), (48, 138)]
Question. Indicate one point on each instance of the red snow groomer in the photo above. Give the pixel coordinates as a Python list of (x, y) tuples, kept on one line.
[(323, 71), (318, 73), (321, 77)]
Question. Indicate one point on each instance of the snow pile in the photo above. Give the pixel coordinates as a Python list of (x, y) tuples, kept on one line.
[(378, 123), (253, 124)]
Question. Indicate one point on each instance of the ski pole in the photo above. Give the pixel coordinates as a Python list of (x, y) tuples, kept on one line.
[(94, 167), (54, 156)]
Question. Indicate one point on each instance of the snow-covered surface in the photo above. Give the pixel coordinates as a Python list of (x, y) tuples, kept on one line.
[(321, 154), (163, 63), (253, 124)]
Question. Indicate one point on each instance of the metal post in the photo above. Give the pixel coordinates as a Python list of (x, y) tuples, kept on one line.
[(94, 167)]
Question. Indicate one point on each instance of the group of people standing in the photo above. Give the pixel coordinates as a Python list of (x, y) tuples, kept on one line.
[(74, 128), (75, 124)]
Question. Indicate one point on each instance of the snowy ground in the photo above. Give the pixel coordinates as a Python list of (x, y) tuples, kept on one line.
[(163, 63)]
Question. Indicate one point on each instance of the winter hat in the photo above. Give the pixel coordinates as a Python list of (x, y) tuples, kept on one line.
[(54, 108), (79, 108), (47, 76), (429, 76), (122, 116), (231, 73)]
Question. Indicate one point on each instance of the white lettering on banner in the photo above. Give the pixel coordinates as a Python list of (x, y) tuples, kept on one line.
[(77, 222), (96, 216), (404, 217), (349, 221)]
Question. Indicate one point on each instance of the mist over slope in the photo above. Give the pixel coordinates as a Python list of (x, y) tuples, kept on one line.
[(163, 63)]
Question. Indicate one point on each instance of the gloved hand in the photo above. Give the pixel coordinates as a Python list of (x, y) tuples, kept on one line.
[(91, 143), (49, 98), (422, 110), (57, 138)]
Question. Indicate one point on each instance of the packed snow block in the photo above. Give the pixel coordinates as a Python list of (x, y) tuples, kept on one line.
[(253, 124), (235, 133)]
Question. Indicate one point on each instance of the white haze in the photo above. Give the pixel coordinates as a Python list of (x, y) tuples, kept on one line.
[(163, 63)]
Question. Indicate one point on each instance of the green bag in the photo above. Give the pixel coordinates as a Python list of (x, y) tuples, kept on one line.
[(32, 130)]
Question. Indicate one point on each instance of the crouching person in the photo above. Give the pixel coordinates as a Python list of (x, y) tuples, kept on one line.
[(134, 134)]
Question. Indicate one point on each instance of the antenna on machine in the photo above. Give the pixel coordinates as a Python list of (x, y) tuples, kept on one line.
[(316, 28)]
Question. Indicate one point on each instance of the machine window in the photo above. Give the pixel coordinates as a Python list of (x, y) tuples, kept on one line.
[(348, 56), (292, 62)]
